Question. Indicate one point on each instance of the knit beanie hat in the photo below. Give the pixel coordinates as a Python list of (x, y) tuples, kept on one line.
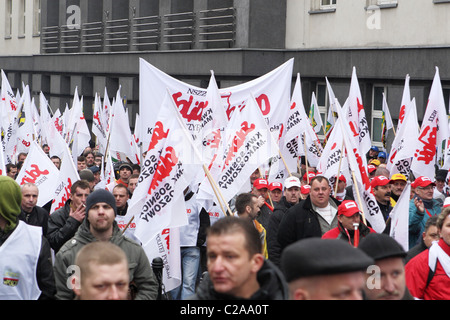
[(100, 195), (10, 200)]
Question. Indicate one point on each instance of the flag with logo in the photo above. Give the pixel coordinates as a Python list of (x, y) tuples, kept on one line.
[(358, 165), (405, 143), (433, 132), (99, 124), (39, 170), (357, 116), (332, 114), (406, 100)]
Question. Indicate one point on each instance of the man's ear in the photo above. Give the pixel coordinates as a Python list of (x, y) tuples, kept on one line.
[(257, 262), (76, 286), (300, 294)]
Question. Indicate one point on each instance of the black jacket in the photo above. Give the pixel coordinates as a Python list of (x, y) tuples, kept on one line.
[(61, 227), (37, 217), (299, 222), (273, 246), (273, 286)]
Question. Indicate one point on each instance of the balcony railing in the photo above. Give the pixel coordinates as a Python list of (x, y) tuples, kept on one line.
[(203, 29)]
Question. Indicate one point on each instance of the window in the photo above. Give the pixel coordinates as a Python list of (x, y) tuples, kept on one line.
[(36, 17), (22, 17), (327, 4), (377, 114), (382, 4), (323, 104), (8, 18)]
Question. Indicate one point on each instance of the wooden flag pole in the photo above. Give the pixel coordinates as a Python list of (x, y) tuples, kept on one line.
[(358, 196)]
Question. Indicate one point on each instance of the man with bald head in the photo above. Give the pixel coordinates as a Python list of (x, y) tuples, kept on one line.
[(30, 212)]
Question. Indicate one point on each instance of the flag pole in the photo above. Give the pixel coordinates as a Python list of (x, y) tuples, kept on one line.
[(339, 168), (355, 183)]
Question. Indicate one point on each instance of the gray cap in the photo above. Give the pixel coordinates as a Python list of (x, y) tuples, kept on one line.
[(381, 246)]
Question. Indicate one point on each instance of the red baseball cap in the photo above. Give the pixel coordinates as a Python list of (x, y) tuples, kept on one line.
[(275, 185), (308, 174), (422, 182), (305, 189), (342, 178), (371, 168), (261, 183), (379, 181), (348, 208)]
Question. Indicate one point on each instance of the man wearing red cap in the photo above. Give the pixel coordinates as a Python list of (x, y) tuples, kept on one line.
[(276, 191), (381, 188), (421, 207), (350, 228), (261, 189)]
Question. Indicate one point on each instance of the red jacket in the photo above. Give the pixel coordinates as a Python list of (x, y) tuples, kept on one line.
[(417, 271), (341, 233)]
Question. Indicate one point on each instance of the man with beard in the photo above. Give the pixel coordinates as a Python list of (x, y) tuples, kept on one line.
[(248, 207), (381, 189), (100, 225), (398, 184)]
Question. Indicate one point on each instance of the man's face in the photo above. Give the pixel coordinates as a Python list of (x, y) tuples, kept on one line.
[(276, 195), (121, 196), (430, 235), (132, 183), (344, 286), (101, 217), (347, 222), (263, 192), (81, 165), (125, 174), (425, 193), (254, 209), (392, 284), (30, 196), (12, 173), (98, 161), (105, 282), (397, 187), (440, 185), (90, 159), (56, 162), (382, 193), (79, 197), (292, 194), (320, 193), (445, 231), (341, 186), (230, 266)]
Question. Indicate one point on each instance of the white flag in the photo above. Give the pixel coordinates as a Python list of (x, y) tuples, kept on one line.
[(400, 218), (406, 100), (40, 170), (314, 115), (433, 132)]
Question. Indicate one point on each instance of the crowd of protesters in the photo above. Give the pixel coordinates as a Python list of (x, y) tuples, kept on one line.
[(301, 238)]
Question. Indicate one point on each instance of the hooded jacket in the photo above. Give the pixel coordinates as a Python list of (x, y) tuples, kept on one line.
[(141, 273), (273, 286), (61, 227)]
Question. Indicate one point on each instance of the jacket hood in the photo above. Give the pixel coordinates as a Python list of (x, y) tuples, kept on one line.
[(84, 235)]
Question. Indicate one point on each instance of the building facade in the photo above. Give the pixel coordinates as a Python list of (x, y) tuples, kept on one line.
[(57, 46)]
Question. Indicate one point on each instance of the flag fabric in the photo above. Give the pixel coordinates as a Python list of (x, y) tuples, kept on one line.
[(332, 114), (433, 132), (358, 164), (357, 116), (40, 170), (164, 176), (314, 115), (99, 124), (386, 123), (405, 143), (248, 145), (406, 100), (67, 175), (400, 218)]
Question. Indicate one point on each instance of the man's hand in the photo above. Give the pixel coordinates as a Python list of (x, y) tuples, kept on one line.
[(260, 201), (79, 213), (419, 205)]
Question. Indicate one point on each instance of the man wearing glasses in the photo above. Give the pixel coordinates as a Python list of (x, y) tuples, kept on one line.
[(421, 207)]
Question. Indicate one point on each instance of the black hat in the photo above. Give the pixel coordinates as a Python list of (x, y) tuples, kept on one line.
[(316, 256), (441, 175), (381, 246), (126, 165), (101, 195), (94, 169)]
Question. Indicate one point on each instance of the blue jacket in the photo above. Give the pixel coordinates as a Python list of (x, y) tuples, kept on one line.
[(417, 220)]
